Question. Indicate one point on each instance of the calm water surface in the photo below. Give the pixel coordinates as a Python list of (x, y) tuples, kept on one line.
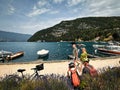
[(57, 50)]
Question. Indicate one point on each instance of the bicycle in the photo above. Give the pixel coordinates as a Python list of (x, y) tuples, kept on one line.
[(35, 76)]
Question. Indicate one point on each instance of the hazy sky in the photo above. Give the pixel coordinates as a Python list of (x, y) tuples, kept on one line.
[(30, 16)]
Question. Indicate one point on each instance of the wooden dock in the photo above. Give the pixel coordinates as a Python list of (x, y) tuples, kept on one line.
[(89, 56), (15, 55)]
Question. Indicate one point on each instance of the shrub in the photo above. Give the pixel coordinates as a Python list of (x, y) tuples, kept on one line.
[(48, 82), (107, 80)]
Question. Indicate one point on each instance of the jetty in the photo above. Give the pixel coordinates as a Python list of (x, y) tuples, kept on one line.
[(89, 56), (15, 55)]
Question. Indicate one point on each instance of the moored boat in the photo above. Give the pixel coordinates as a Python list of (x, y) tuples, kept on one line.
[(113, 47), (98, 46), (109, 52), (5, 53), (43, 53), (108, 49)]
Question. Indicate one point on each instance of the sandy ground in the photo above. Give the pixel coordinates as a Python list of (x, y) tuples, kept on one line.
[(55, 67)]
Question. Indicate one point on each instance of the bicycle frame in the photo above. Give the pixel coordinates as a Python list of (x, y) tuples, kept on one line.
[(35, 75)]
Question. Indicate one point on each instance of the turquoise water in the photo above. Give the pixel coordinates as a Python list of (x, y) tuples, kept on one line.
[(57, 50)]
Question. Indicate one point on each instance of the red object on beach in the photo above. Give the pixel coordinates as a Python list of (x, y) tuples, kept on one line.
[(89, 69), (93, 71)]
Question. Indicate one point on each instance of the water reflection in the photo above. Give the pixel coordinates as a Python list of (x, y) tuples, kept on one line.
[(44, 58)]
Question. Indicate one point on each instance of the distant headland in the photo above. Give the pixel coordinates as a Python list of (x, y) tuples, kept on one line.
[(81, 29)]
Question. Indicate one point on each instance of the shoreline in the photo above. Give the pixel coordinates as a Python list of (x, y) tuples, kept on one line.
[(55, 67), (55, 61)]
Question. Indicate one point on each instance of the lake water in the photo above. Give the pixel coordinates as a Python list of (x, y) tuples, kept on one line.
[(57, 50)]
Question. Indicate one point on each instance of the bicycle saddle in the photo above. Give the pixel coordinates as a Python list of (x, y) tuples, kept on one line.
[(21, 70)]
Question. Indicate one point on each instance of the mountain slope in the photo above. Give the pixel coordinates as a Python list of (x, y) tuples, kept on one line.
[(89, 28), (13, 37)]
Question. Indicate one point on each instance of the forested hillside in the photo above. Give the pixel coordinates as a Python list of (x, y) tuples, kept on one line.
[(86, 29)]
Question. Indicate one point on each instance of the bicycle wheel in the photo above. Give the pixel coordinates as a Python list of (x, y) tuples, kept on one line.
[(38, 77)]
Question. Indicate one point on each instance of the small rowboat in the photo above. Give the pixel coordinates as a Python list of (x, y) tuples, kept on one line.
[(43, 53)]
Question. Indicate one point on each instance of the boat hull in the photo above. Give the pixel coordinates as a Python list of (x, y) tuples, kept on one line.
[(43, 53), (108, 51)]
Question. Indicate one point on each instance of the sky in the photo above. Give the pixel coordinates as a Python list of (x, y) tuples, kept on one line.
[(30, 16)]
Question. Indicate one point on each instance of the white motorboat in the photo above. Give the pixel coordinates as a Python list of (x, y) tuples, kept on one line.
[(110, 49), (43, 52)]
